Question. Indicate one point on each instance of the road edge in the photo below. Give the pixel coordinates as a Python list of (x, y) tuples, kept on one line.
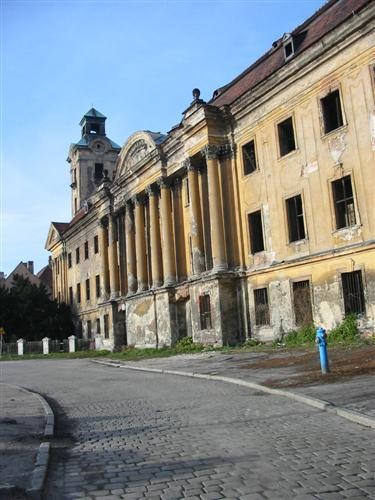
[(320, 404)]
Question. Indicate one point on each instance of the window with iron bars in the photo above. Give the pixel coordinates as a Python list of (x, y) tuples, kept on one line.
[(205, 312), (262, 312), (352, 288)]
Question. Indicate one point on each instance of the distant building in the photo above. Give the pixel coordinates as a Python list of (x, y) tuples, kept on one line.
[(254, 215), (26, 270)]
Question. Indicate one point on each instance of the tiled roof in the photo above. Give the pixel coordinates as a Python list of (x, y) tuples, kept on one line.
[(61, 226), (331, 15), (87, 138)]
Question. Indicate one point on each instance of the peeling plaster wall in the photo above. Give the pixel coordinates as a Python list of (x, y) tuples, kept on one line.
[(214, 335), (232, 331)]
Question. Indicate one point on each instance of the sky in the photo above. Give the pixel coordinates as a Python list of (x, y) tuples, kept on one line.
[(134, 61)]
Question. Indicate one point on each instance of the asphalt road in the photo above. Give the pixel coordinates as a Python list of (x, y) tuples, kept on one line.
[(132, 435)]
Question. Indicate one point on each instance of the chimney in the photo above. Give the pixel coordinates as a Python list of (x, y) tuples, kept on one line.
[(30, 266)]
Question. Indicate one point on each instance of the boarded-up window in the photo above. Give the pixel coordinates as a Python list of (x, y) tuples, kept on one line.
[(262, 313), (354, 299), (205, 312), (302, 303)]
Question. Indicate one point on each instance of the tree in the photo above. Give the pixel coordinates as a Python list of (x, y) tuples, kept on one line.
[(26, 311)]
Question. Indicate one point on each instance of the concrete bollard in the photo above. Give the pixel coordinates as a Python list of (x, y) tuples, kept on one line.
[(20, 346), (45, 345), (72, 343)]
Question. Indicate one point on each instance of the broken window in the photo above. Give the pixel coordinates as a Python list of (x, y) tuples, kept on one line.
[(288, 49), (97, 285), (249, 158), (77, 255), (205, 312), (344, 202), (96, 244), (256, 231), (262, 313), (88, 289), (296, 225), (98, 174), (98, 326), (86, 250), (285, 131), (89, 329), (331, 109), (69, 260), (302, 303), (106, 326), (352, 288), (79, 293)]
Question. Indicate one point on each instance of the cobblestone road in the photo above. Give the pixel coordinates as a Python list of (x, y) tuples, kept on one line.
[(138, 435)]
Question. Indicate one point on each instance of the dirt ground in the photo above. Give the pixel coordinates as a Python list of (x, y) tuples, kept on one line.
[(345, 363)]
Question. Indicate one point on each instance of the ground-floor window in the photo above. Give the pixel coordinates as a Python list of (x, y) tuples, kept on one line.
[(302, 303), (106, 326), (98, 326), (262, 312), (352, 287), (89, 329), (205, 312)]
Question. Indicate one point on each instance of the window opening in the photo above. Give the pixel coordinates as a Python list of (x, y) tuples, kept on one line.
[(69, 260), (97, 285), (88, 289), (296, 224), (89, 332), (78, 293), (86, 250), (249, 158), (286, 136), (70, 295), (106, 326), (331, 109), (77, 255), (256, 231), (262, 313), (352, 287), (96, 244), (302, 303), (98, 326), (344, 202), (205, 312), (98, 174)]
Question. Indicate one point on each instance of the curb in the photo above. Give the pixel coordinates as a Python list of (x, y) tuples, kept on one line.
[(39, 473), (321, 404)]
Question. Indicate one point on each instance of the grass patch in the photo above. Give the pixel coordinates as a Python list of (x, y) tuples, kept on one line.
[(56, 355)]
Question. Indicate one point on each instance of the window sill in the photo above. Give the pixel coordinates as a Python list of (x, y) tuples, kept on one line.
[(256, 171), (332, 133), (298, 242), (343, 230), (288, 155)]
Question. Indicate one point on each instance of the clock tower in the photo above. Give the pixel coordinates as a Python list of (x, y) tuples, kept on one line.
[(91, 159)]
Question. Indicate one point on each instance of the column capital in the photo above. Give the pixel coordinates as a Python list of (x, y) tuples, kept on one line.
[(139, 199), (152, 190), (103, 222), (177, 183), (190, 166), (219, 151), (164, 182)]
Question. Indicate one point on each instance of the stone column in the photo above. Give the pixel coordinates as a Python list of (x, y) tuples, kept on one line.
[(156, 258), (130, 248), (122, 253), (216, 214), (196, 233), (169, 259), (178, 227), (140, 243), (113, 257), (103, 243)]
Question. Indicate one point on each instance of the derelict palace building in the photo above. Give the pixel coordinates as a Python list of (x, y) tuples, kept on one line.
[(252, 216)]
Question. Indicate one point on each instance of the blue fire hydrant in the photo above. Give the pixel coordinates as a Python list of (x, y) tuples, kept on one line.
[(321, 340)]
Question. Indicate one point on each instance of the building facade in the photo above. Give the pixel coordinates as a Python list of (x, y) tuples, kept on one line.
[(253, 216)]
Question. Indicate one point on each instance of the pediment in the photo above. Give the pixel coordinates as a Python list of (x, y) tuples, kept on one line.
[(138, 149)]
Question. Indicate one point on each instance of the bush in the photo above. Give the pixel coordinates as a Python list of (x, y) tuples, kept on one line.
[(304, 335), (251, 342), (346, 332), (186, 344)]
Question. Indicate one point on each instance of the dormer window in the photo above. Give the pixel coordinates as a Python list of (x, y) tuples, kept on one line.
[(288, 46)]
